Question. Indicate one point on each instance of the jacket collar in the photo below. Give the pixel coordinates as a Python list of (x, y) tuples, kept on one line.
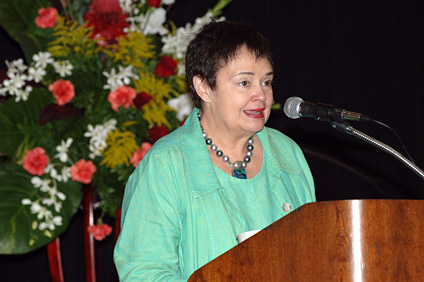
[(200, 173)]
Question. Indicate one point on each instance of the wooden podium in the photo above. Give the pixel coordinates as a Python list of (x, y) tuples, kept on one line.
[(355, 240)]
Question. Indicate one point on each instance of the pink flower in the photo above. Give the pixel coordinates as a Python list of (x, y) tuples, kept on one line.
[(83, 171), (35, 161), (123, 96), (47, 17), (166, 67), (63, 91), (154, 3), (139, 154), (99, 231)]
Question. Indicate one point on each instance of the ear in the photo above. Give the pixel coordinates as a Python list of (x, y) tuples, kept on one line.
[(202, 88)]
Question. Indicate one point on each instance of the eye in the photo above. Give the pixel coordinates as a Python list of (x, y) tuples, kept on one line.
[(268, 83), (244, 83)]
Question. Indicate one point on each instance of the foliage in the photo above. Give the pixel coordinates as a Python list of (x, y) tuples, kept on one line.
[(98, 80)]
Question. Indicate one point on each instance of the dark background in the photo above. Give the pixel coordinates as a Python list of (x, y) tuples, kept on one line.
[(364, 56)]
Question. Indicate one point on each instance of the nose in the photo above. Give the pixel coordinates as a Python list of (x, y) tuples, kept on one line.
[(260, 94)]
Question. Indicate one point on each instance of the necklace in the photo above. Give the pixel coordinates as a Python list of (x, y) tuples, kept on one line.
[(239, 167)]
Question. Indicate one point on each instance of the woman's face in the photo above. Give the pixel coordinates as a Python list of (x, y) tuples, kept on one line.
[(241, 101)]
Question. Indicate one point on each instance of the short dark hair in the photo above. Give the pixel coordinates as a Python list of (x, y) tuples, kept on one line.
[(215, 45)]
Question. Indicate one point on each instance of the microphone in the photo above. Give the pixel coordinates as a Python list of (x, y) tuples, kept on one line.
[(295, 108)]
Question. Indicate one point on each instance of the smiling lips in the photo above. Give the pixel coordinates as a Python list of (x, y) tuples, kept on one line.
[(255, 113)]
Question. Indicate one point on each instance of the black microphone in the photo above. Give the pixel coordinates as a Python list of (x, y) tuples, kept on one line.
[(295, 108)]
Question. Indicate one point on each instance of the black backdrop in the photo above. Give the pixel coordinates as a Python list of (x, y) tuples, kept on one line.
[(365, 56)]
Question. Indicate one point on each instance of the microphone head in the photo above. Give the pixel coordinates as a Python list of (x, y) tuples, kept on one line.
[(292, 107)]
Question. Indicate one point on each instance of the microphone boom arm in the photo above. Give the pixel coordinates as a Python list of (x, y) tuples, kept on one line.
[(346, 128)]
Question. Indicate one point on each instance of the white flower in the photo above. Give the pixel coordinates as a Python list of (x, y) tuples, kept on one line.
[(3, 91), (36, 74), (98, 136), (66, 174), (55, 199), (42, 212), (26, 202), (123, 77), (18, 79), (128, 6), (52, 201), (23, 94), (181, 69), (63, 68), (182, 105), (10, 87), (51, 223), (177, 44), (52, 171), (97, 133), (15, 83), (155, 22), (16, 66), (94, 152), (43, 184), (113, 80), (168, 2), (125, 74), (136, 22), (63, 150), (110, 124), (199, 22), (42, 59), (36, 181)]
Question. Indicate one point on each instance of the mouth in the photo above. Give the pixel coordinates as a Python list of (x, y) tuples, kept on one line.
[(255, 113)]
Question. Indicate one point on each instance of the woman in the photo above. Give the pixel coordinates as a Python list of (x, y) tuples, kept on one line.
[(190, 196)]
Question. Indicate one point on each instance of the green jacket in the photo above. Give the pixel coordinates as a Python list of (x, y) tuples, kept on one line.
[(178, 213)]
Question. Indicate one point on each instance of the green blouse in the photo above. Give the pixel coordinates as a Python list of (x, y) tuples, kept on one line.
[(180, 211)]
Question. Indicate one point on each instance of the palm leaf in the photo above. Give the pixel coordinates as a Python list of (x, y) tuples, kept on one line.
[(19, 122), (18, 234), (17, 19)]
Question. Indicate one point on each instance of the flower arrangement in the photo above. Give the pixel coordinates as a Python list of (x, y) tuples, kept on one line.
[(101, 82)]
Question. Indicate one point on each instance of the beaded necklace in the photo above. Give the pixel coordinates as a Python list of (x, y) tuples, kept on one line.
[(239, 167)]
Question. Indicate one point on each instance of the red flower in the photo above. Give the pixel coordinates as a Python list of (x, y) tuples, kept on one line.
[(139, 154), (35, 161), (63, 91), (142, 99), (156, 132), (166, 67), (154, 3), (99, 231), (47, 17), (83, 171), (108, 20), (123, 96)]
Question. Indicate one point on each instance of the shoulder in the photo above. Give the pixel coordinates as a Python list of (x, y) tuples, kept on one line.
[(165, 148), (276, 139), (179, 140), (282, 151)]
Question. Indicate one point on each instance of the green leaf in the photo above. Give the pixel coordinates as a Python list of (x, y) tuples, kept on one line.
[(217, 10), (110, 190), (17, 17), (19, 122), (17, 234)]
